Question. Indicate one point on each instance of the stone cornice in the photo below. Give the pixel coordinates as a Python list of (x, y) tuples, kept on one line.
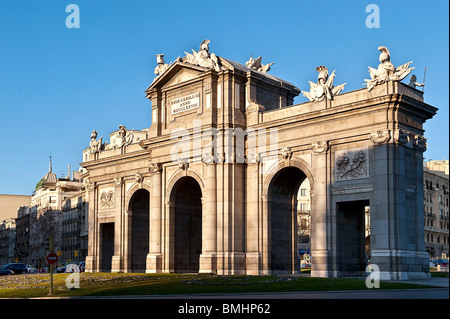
[(133, 156)]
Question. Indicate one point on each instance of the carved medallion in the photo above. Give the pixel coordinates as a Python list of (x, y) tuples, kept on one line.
[(118, 181), (139, 178), (155, 168), (286, 152), (401, 136), (319, 147), (208, 157), (420, 143), (183, 163), (380, 137), (252, 158)]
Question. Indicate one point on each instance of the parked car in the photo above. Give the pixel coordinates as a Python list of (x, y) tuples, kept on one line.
[(72, 268), (31, 269), (6, 272), (61, 269), (17, 268)]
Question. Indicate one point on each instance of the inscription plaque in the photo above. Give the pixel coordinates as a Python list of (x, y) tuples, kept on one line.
[(185, 103)]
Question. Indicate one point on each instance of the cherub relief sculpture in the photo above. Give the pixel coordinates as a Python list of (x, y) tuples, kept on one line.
[(324, 87), (204, 58), (386, 70), (255, 64)]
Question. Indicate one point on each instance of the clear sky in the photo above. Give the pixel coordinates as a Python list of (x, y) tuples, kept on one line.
[(58, 84)]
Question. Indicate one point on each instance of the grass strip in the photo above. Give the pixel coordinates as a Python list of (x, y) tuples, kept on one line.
[(114, 284)]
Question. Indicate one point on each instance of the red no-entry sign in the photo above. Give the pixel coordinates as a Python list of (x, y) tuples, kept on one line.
[(52, 258)]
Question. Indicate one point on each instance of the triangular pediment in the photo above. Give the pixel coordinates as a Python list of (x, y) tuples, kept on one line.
[(178, 72), (183, 75)]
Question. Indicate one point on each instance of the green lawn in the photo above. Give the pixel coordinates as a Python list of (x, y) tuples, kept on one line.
[(110, 284)]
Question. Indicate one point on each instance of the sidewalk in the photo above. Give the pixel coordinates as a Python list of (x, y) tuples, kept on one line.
[(433, 281)]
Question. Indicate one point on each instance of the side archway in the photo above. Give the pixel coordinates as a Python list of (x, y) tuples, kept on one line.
[(137, 228)]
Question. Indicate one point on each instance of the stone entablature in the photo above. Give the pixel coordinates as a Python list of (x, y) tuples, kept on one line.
[(226, 147)]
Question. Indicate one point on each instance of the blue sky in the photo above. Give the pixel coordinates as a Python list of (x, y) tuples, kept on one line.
[(58, 84)]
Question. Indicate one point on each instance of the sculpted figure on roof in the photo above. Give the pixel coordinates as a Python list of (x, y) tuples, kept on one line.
[(204, 58), (96, 145), (324, 87), (121, 138), (162, 66), (386, 70), (255, 64)]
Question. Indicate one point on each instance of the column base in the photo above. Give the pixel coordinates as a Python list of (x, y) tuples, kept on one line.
[(153, 263), (90, 264), (399, 264), (320, 267), (232, 263), (208, 263), (253, 263), (116, 264)]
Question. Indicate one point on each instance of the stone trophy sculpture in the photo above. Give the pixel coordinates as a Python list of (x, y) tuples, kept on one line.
[(324, 87), (255, 64), (204, 58), (386, 70)]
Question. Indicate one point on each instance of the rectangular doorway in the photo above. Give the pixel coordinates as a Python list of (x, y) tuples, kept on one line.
[(106, 246), (352, 238)]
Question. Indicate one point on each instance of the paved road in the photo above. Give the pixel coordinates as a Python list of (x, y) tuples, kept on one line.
[(440, 292), (430, 293)]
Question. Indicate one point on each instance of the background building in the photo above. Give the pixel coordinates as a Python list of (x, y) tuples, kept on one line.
[(436, 208), (22, 245), (10, 203), (46, 213), (7, 241), (75, 229)]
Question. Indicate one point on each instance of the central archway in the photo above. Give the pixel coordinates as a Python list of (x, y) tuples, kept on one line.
[(186, 199), (282, 213)]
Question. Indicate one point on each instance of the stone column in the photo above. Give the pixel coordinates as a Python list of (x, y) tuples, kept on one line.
[(208, 258), (154, 257), (319, 210), (398, 248), (93, 238), (117, 259), (253, 221)]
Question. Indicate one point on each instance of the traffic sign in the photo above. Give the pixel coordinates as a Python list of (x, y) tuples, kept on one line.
[(52, 258)]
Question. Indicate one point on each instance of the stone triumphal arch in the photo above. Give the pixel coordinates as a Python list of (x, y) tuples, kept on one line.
[(212, 186)]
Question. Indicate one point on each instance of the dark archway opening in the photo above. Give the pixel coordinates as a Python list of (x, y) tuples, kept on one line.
[(187, 199), (106, 246), (353, 244), (283, 192), (140, 224)]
